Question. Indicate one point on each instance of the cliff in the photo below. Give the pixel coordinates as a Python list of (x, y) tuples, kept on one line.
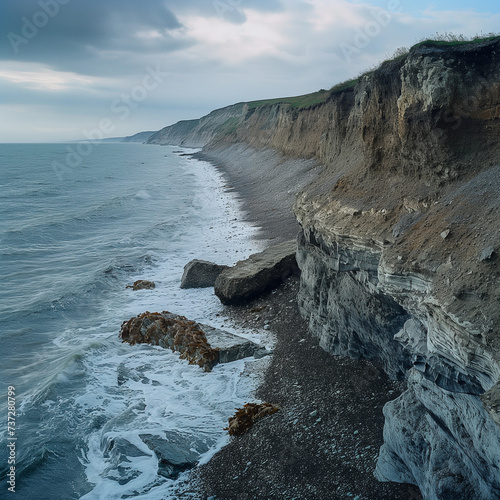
[(398, 244), (198, 133), (140, 137)]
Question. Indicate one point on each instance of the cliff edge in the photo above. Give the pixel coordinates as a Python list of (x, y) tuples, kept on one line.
[(399, 243)]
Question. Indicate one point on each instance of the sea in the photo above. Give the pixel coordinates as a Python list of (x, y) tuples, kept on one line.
[(73, 236)]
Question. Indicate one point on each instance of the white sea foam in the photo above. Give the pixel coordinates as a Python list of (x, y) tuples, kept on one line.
[(138, 390), (142, 195), (79, 387)]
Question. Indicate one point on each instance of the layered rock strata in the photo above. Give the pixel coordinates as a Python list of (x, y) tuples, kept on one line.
[(399, 245), (346, 310)]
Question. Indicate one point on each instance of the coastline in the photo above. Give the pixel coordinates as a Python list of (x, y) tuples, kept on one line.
[(399, 249), (266, 184), (324, 442)]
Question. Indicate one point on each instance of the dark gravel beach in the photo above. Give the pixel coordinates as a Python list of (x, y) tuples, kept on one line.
[(266, 183), (324, 442)]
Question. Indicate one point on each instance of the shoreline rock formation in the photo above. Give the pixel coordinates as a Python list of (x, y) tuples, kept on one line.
[(398, 244), (259, 273), (200, 274), (199, 344)]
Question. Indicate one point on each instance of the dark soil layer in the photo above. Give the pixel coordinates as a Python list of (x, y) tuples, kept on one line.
[(324, 442)]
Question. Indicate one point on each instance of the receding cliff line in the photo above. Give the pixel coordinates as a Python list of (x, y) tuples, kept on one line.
[(399, 242)]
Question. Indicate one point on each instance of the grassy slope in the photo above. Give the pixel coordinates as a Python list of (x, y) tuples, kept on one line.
[(310, 100)]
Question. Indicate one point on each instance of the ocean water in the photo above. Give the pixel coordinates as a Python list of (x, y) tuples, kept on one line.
[(70, 243)]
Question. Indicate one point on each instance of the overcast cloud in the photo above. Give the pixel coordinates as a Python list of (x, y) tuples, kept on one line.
[(66, 65)]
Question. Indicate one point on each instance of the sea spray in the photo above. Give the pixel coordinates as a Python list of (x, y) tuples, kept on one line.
[(69, 249)]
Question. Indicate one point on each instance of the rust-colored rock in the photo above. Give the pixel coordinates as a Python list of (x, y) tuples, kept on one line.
[(245, 417), (200, 344), (142, 285), (175, 332)]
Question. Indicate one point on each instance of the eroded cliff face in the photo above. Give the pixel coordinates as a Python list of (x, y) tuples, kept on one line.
[(403, 248), (399, 247), (200, 132)]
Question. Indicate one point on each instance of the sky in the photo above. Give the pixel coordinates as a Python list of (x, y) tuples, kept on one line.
[(81, 69)]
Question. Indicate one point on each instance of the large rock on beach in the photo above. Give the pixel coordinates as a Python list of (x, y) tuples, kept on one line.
[(200, 274), (259, 273), (176, 452), (199, 344)]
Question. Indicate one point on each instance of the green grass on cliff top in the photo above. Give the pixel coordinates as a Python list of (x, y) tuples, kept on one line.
[(310, 100), (306, 100), (299, 102), (451, 40)]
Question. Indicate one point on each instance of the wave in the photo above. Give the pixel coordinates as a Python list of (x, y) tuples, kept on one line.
[(142, 195), (63, 294), (36, 460), (66, 216)]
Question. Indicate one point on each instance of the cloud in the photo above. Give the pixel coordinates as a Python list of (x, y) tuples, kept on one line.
[(38, 77), (261, 34), (77, 33), (212, 53)]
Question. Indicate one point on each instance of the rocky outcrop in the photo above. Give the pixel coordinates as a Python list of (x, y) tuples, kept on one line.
[(176, 453), (398, 246), (399, 272), (346, 309), (259, 273), (200, 274), (445, 442), (142, 285), (199, 344)]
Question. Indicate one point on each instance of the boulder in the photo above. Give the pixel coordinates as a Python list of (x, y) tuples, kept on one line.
[(142, 285), (232, 347), (200, 274), (176, 452), (199, 344), (260, 272)]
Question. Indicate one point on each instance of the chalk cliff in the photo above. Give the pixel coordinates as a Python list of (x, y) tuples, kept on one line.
[(399, 244)]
